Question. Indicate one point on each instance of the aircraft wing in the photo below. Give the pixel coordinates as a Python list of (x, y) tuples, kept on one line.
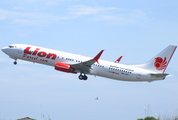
[(84, 67)]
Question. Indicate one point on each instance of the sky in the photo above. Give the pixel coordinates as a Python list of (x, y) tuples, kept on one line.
[(137, 30)]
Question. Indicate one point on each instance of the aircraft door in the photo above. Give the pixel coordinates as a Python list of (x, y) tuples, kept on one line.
[(138, 76), (20, 52)]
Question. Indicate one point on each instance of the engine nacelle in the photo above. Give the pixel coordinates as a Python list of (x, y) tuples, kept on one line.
[(64, 67)]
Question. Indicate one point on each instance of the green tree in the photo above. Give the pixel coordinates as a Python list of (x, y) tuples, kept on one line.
[(147, 118)]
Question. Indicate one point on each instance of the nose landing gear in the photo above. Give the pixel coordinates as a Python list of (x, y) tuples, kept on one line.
[(82, 77), (15, 62)]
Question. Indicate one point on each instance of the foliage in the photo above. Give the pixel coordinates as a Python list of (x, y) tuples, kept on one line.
[(148, 118), (161, 118)]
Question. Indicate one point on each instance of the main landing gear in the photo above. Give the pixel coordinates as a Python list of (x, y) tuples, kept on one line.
[(82, 76)]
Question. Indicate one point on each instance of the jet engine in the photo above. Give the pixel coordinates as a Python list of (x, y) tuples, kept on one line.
[(64, 67)]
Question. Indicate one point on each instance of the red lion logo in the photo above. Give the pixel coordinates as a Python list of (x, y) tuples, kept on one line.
[(160, 64)]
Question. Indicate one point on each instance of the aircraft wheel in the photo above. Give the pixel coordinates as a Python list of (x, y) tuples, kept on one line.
[(15, 63), (80, 77), (85, 77)]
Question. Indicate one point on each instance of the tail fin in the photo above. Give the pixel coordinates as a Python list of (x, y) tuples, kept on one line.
[(160, 62)]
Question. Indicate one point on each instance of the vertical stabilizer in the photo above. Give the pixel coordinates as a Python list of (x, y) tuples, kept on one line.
[(160, 62)]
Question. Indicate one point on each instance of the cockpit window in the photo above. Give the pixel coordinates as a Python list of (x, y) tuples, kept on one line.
[(10, 46)]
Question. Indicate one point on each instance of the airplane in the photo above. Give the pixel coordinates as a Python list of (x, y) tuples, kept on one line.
[(71, 63)]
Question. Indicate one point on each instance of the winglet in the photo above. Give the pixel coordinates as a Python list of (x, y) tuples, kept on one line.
[(96, 58), (119, 59)]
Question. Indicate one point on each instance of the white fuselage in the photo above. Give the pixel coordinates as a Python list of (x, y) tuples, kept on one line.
[(104, 68)]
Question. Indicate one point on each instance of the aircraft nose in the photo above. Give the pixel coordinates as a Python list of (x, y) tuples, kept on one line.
[(4, 49)]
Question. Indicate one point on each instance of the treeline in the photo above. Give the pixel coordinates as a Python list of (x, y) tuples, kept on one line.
[(161, 118)]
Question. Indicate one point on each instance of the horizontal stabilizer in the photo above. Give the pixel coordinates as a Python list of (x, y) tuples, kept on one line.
[(159, 75)]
